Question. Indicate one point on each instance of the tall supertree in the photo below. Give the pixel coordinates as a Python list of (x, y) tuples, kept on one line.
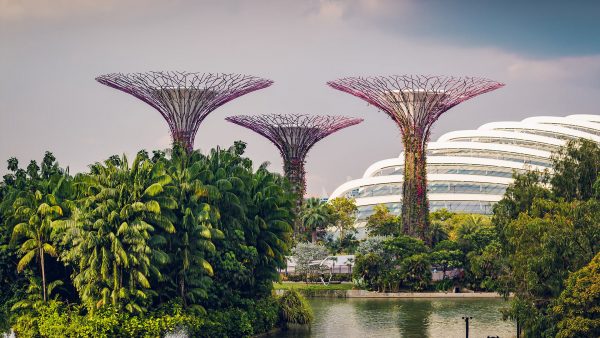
[(415, 102), (294, 135), (184, 99)]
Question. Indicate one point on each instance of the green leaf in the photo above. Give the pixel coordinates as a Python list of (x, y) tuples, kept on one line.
[(25, 260), (153, 190), (153, 207), (206, 265)]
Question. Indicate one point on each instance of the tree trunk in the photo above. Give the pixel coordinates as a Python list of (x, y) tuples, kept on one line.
[(415, 205), (182, 290), (314, 236), (43, 273), (294, 172)]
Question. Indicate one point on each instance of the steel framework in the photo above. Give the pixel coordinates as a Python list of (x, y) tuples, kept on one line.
[(184, 99), (415, 102), (294, 135)]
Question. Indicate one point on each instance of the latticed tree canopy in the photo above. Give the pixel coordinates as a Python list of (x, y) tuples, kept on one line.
[(414, 102), (294, 135), (184, 99)]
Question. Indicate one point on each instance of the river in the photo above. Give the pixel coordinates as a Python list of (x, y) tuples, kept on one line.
[(370, 318)]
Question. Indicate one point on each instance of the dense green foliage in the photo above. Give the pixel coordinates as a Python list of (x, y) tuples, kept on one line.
[(546, 232), (144, 247), (399, 262), (338, 215), (460, 241), (294, 308), (577, 309), (383, 223)]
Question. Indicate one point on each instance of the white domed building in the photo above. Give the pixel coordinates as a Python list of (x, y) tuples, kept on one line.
[(469, 170)]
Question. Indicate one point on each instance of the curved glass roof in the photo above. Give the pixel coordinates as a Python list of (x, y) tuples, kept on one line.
[(468, 170)]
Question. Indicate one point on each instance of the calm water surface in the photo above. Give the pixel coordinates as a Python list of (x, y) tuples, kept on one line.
[(370, 318)]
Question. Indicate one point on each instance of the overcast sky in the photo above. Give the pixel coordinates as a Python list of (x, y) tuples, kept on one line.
[(547, 53)]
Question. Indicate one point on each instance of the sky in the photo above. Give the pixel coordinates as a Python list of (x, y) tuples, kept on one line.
[(546, 52)]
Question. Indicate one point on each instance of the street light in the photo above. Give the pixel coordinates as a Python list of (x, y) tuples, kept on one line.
[(467, 326)]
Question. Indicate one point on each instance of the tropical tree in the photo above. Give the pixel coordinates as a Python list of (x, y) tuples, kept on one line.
[(416, 271), (191, 243), (270, 226), (447, 259), (576, 310), (307, 254), (576, 169), (383, 223), (316, 216), (19, 183), (115, 250), (344, 212), (38, 214), (254, 213)]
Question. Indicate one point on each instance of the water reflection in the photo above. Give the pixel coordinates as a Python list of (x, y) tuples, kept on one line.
[(373, 318), (414, 317)]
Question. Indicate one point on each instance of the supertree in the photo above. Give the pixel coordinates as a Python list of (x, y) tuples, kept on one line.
[(294, 135), (184, 99), (415, 102)]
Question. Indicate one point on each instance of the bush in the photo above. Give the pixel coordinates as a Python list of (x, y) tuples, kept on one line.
[(294, 309), (56, 319), (264, 315)]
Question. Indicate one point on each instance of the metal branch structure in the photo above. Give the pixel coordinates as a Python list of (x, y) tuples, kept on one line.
[(415, 102), (184, 99), (294, 135)]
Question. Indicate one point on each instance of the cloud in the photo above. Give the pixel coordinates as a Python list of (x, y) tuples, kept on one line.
[(582, 70), (330, 10), (17, 10), (371, 10)]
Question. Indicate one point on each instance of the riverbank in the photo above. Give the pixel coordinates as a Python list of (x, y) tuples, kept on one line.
[(344, 290)]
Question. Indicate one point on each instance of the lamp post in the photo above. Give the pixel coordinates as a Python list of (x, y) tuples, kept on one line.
[(466, 318)]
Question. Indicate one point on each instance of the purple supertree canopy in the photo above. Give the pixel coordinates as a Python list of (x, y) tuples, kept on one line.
[(414, 102), (294, 135), (184, 99)]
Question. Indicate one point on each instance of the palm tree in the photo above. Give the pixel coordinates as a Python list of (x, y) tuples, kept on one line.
[(192, 241), (315, 215), (117, 248), (270, 225), (39, 213)]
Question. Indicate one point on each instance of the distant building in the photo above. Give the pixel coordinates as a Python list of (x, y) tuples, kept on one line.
[(469, 170)]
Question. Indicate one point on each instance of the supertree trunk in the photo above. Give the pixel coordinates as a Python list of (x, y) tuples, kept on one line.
[(415, 205), (294, 135), (414, 103), (294, 170)]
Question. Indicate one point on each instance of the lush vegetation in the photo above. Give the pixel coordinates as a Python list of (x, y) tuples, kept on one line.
[(395, 261), (140, 248), (549, 227), (541, 245)]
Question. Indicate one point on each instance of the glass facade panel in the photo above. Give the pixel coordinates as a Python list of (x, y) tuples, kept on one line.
[(492, 154), (509, 141), (473, 207), (458, 169), (579, 128), (541, 133), (438, 187)]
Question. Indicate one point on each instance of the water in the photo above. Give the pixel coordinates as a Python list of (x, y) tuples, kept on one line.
[(371, 318)]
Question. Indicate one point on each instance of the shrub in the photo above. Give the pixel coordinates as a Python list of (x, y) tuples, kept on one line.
[(294, 309)]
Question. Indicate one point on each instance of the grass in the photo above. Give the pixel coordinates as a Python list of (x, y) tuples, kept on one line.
[(312, 287)]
